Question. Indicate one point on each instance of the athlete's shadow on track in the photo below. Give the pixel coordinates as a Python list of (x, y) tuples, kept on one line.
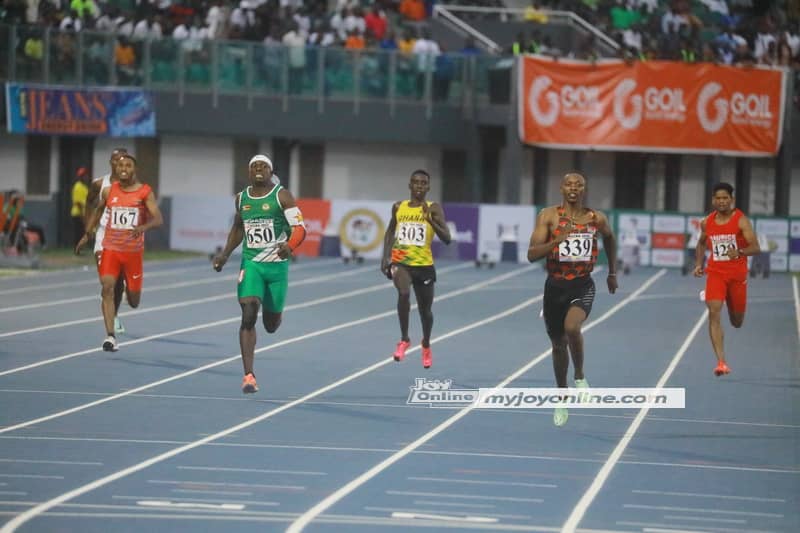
[(175, 341)]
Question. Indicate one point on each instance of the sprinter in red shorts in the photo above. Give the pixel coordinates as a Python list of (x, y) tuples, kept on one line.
[(132, 210), (729, 235)]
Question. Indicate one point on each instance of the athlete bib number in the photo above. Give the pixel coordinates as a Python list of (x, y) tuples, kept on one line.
[(259, 233), (576, 248), (720, 246), (412, 234), (124, 217)]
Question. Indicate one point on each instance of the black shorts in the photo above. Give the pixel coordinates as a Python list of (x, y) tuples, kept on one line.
[(420, 275), (559, 296)]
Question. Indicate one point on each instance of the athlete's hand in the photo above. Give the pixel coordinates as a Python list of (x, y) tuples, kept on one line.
[(219, 262), (612, 283), (564, 230), (698, 271), (733, 253), (426, 213), (284, 252), (386, 268), (81, 243), (138, 230)]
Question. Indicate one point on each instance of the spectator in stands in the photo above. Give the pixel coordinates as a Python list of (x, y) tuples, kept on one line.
[(535, 13), (376, 22), (125, 61), (413, 10), (322, 35), (355, 41), (295, 41), (425, 51), (80, 191), (147, 28), (388, 43), (469, 48)]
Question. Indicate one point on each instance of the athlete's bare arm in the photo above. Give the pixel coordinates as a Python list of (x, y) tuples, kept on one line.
[(95, 188), (154, 220), (610, 246), (94, 219), (388, 241), (541, 244), (295, 219), (235, 236), (700, 250), (434, 214), (749, 235)]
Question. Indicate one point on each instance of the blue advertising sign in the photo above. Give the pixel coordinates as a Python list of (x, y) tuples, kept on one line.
[(91, 111)]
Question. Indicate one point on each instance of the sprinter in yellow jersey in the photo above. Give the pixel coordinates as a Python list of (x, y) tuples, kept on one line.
[(408, 260)]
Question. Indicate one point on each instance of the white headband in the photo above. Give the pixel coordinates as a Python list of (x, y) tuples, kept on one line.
[(261, 158)]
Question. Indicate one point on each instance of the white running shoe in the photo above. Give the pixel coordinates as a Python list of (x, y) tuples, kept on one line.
[(110, 344), (702, 296), (119, 329)]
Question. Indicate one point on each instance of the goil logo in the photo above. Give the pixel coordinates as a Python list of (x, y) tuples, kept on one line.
[(657, 103), (572, 100), (750, 109)]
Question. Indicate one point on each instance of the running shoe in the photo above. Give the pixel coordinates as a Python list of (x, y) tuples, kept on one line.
[(110, 344), (400, 352), (581, 384), (722, 369), (119, 329), (702, 296), (249, 385), (427, 357), (560, 416)]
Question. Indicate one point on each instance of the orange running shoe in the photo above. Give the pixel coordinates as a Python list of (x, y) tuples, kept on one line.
[(400, 352), (249, 385), (427, 357), (722, 369)]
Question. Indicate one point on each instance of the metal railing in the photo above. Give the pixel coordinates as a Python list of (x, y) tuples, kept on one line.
[(35, 54)]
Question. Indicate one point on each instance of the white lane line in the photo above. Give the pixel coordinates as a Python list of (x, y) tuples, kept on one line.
[(700, 510), (306, 518), (49, 462), (253, 470), (249, 503), (714, 520), (153, 274), (463, 496), (333, 298), (197, 484), (796, 293), (447, 518), (22, 518), (480, 482), (191, 505), (31, 476), (175, 305), (273, 346), (703, 495), (591, 493)]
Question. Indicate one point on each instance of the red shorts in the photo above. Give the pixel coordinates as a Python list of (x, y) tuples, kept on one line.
[(113, 263), (732, 288)]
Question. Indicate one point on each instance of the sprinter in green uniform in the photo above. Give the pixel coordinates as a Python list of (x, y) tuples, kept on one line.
[(270, 226)]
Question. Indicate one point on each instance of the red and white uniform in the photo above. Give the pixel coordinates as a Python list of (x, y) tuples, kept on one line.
[(122, 252), (726, 278)]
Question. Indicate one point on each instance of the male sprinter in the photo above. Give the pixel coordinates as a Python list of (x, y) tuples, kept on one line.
[(95, 189), (567, 235), (730, 235), (132, 210), (271, 225), (408, 260)]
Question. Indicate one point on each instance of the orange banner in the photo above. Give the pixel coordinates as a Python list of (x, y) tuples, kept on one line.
[(316, 214), (653, 106)]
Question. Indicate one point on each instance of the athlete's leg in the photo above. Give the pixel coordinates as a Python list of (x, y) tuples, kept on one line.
[(572, 329), (424, 295), (107, 282), (276, 278), (119, 289), (402, 281), (715, 328), (737, 301), (560, 360), (247, 331)]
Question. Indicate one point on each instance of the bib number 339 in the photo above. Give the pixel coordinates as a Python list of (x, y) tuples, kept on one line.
[(576, 248), (260, 233), (124, 217)]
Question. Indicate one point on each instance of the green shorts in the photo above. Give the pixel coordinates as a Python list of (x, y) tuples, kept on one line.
[(266, 281)]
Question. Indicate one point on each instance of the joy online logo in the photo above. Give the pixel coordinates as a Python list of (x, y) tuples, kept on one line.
[(741, 108), (571, 100), (657, 103)]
